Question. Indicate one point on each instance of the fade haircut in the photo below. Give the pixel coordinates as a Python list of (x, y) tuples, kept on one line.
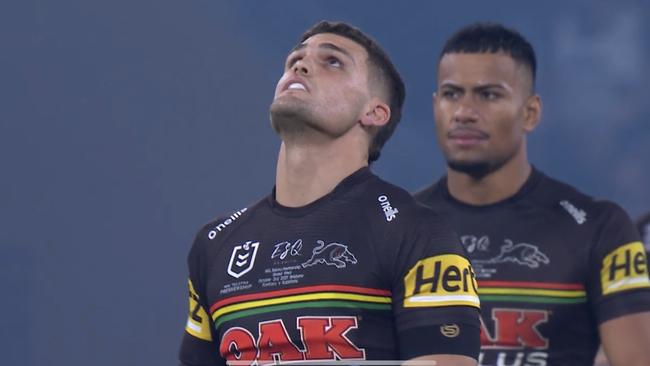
[(380, 67), (493, 38), (643, 225)]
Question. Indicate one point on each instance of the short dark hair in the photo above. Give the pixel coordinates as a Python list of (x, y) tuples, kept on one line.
[(642, 222), (383, 69), (492, 38)]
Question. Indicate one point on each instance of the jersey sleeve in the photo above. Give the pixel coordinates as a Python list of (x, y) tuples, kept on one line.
[(435, 297), (619, 282), (197, 347)]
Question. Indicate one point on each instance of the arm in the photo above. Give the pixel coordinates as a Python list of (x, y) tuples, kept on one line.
[(437, 316), (620, 290), (198, 346), (442, 360), (626, 339)]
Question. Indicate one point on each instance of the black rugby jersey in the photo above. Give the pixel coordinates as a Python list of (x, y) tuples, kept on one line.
[(552, 264), (364, 272)]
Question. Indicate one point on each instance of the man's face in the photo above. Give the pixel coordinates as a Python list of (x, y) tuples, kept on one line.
[(482, 110), (324, 87)]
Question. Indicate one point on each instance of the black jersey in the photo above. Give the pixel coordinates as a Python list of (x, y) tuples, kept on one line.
[(364, 272), (552, 264)]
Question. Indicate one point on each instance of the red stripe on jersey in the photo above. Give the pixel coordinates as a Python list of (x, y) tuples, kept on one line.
[(298, 291)]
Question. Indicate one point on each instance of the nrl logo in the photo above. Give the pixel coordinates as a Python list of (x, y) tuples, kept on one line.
[(242, 259)]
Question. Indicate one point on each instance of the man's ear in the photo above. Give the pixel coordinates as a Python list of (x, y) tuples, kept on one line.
[(532, 113), (376, 114), (434, 100)]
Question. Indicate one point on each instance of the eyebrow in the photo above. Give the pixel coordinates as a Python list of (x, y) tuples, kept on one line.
[(327, 46), (492, 85), (448, 84), (505, 87)]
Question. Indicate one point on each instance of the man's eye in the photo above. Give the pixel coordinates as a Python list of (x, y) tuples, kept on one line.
[(333, 61), (450, 94), (489, 95)]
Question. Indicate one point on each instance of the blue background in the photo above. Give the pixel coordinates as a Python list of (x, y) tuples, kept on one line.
[(125, 125)]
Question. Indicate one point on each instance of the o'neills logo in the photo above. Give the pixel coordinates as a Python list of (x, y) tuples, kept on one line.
[(389, 211), (579, 215), (441, 280), (213, 233)]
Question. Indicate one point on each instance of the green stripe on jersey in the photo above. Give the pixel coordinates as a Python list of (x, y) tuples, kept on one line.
[(299, 305), (534, 299)]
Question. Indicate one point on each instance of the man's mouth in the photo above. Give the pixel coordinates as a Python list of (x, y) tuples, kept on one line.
[(296, 86), (467, 137)]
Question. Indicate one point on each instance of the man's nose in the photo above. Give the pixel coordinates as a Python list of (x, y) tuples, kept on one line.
[(465, 111), (301, 67)]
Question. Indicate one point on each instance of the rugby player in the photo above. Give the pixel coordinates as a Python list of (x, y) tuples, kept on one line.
[(558, 271), (335, 264)]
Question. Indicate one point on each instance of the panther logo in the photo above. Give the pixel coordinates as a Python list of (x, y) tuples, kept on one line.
[(521, 253), (332, 254)]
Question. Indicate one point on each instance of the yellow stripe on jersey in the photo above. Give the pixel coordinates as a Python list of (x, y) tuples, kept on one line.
[(198, 322), (624, 268), (531, 292), (441, 280), (299, 298)]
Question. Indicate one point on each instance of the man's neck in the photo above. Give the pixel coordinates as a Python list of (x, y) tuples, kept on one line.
[(307, 173), (494, 187)]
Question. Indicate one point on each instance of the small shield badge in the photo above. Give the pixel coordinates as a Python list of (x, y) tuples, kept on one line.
[(242, 259)]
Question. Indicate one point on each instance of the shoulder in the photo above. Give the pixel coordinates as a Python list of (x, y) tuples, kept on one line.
[(429, 194), (398, 215), (211, 233), (577, 205), (225, 223), (399, 205)]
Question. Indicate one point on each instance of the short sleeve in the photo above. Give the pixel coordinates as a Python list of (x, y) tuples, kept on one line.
[(619, 282), (435, 298), (197, 347)]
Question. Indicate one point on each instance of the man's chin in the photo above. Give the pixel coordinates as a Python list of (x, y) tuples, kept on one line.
[(475, 169), (288, 118)]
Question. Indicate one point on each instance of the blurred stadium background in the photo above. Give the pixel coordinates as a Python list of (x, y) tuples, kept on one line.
[(125, 125)]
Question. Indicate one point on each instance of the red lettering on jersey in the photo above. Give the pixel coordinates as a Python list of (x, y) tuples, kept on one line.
[(274, 340), (515, 328), (238, 344), (324, 339), (324, 336)]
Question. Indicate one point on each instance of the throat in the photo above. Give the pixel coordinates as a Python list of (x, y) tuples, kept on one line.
[(304, 175), (487, 189)]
